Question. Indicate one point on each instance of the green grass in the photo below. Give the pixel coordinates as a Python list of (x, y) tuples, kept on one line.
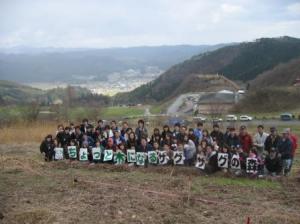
[(239, 182), (118, 112)]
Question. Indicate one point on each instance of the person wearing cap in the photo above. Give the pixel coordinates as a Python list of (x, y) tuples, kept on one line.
[(272, 140), (273, 165), (245, 139), (217, 135), (285, 151), (260, 139), (47, 148)]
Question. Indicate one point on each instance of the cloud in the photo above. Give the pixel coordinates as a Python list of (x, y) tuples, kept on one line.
[(99, 23), (294, 9)]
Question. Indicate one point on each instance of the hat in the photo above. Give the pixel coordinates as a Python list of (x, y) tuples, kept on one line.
[(243, 127), (285, 131), (272, 129)]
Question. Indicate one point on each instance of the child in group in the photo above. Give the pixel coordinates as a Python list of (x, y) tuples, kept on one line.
[(211, 160), (47, 147), (253, 154), (156, 146), (169, 152), (131, 143), (156, 137), (226, 150), (73, 143), (118, 138), (174, 144), (121, 147)]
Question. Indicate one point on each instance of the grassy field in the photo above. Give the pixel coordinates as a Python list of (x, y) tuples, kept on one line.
[(119, 112), (33, 191)]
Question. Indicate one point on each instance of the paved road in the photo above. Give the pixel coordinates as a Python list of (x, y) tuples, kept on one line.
[(265, 123)]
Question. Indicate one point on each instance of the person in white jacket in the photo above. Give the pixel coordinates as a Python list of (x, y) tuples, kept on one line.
[(189, 151), (259, 140)]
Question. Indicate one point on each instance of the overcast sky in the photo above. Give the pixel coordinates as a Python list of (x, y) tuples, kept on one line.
[(111, 23)]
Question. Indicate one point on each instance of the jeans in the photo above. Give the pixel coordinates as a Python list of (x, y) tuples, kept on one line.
[(286, 165)]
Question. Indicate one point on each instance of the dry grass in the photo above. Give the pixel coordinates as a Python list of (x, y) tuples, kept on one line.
[(26, 132)]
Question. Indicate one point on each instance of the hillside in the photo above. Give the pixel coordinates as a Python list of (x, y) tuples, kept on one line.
[(281, 75), (12, 93), (243, 62), (79, 65)]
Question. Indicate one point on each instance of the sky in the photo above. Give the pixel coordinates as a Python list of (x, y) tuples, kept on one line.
[(125, 23)]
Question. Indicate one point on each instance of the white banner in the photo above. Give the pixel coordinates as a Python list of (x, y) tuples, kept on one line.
[(96, 152), (163, 158), (223, 160), (140, 158), (251, 165), (72, 150), (119, 158), (108, 155), (200, 162), (131, 158), (235, 162), (83, 154), (59, 154), (152, 157), (178, 158)]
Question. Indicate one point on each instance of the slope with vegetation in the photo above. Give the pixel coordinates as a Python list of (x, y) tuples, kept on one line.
[(243, 62)]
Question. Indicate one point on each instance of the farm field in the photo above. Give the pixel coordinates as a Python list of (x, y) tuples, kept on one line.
[(34, 191)]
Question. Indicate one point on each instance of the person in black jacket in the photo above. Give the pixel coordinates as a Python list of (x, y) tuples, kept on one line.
[(47, 147), (273, 163), (211, 161), (272, 140), (217, 136)]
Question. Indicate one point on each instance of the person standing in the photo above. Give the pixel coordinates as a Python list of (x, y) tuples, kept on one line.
[(294, 141), (272, 140), (259, 140), (245, 139), (285, 150)]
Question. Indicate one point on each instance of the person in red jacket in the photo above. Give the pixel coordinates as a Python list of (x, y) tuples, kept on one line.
[(294, 141), (245, 139)]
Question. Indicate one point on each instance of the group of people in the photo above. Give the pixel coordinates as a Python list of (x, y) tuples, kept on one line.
[(273, 152)]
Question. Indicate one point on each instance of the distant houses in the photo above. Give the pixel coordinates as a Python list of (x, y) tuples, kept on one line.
[(297, 82)]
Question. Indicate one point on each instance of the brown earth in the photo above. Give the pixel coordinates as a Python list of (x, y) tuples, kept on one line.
[(33, 191)]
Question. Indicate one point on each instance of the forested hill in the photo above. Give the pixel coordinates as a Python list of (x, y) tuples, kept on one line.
[(243, 62)]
